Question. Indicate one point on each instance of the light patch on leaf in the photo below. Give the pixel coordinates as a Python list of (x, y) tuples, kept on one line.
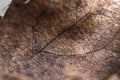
[(4, 5)]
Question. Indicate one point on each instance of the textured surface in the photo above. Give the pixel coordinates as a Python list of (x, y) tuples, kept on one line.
[(60, 40)]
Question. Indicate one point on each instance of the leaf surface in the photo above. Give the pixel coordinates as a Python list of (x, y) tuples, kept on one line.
[(61, 40)]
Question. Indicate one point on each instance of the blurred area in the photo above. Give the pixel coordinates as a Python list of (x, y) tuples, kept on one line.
[(4, 5), (114, 77)]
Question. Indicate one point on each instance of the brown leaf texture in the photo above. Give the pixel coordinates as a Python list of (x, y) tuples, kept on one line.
[(60, 40)]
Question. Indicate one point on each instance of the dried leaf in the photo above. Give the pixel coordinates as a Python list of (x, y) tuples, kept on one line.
[(61, 40)]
